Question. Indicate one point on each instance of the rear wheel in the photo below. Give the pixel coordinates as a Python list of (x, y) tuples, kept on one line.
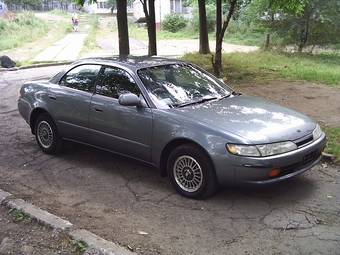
[(191, 172), (47, 135)]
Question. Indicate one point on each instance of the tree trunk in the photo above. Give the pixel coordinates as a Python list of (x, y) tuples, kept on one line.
[(217, 64), (123, 31), (204, 39), (219, 39), (151, 25), (304, 35)]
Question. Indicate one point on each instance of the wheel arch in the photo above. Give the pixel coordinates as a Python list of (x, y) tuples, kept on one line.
[(34, 116), (171, 146)]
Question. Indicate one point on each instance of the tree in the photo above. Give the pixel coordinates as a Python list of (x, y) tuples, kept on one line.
[(123, 31), (220, 31), (24, 2), (203, 34), (289, 6), (314, 22), (149, 11)]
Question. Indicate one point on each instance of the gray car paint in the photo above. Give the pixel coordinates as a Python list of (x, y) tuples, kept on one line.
[(147, 131)]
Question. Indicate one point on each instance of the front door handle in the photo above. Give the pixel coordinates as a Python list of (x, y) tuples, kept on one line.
[(52, 97), (97, 109)]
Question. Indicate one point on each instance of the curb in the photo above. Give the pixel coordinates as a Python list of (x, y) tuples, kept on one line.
[(95, 244)]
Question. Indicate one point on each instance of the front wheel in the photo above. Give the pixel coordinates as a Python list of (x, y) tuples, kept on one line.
[(191, 172), (47, 135)]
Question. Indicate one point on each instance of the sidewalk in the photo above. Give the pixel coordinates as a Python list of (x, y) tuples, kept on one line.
[(66, 49)]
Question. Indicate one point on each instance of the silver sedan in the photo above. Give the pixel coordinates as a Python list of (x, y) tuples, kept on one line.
[(174, 116)]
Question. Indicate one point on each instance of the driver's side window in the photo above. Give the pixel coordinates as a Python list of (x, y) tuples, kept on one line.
[(113, 82)]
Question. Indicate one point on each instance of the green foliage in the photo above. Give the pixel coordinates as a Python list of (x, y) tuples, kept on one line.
[(26, 27), (25, 2), (60, 12), (316, 22), (333, 141), (19, 216), (287, 6), (90, 40), (266, 65), (174, 22), (78, 245), (211, 18)]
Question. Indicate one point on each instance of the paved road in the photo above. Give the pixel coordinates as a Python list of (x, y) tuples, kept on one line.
[(130, 204)]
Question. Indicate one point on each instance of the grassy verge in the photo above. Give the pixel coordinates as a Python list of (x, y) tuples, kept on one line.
[(24, 35), (90, 41), (20, 29), (260, 66), (333, 141)]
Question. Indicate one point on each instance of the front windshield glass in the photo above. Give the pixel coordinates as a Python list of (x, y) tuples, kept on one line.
[(177, 85)]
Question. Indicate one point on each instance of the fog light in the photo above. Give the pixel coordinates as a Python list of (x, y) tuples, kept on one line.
[(274, 172)]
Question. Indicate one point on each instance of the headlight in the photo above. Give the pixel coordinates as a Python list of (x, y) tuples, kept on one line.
[(276, 148), (261, 149), (317, 132), (244, 150)]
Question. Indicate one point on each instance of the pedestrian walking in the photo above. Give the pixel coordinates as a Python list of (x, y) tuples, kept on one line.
[(75, 21)]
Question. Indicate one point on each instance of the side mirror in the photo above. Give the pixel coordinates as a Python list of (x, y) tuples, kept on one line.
[(130, 99)]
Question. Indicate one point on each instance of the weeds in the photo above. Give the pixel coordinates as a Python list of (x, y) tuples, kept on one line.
[(333, 141), (260, 66), (78, 245), (20, 216), (25, 27), (90, 40)]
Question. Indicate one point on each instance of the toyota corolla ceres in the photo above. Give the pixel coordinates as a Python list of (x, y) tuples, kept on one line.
[(174, 116)]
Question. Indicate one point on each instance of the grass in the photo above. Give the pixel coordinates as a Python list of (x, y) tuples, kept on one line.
[(20, 29), (333, 141), (260, 66), (19, 216), (25, 35), (90, 40)]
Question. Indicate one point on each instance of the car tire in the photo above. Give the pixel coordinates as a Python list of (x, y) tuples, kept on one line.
[(47, 135), (191, 172)]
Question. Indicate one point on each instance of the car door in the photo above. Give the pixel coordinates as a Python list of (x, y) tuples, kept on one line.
[(123, 129), (70, 102)]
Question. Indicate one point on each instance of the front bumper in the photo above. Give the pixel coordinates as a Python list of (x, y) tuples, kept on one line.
[(251, 172)]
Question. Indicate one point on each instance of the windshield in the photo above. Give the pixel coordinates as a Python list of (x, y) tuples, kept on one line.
[(178, 85)]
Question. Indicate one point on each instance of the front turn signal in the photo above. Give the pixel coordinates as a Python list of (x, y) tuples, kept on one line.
[(274, 172)]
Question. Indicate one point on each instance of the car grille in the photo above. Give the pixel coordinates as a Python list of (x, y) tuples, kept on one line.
[(309, 158), (304, 141)]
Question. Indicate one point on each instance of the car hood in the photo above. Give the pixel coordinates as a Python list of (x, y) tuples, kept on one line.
[(251, 118)]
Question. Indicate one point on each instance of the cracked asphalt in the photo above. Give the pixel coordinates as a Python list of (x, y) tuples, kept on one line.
[(128, 203)]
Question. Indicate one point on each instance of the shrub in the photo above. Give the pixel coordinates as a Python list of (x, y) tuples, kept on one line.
[(211, 18), (174, 22)]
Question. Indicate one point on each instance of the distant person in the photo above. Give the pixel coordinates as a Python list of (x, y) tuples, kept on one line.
[(75, 21)]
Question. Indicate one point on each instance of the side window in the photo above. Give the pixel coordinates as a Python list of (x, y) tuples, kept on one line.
[(114, 81), (81, 78)]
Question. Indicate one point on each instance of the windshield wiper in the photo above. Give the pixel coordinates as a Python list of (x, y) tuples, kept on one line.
[(197, 102), (225, 96)]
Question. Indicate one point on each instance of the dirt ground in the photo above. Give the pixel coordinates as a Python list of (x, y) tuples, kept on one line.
[(88, 198), (319, 101)]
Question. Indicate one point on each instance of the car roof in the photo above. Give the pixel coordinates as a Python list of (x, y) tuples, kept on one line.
[(129, 61)]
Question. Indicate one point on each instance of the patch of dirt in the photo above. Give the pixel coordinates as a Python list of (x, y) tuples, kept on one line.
[(26, 236), (319, 101)]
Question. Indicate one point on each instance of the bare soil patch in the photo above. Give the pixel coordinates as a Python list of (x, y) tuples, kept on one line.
[(319, 101)]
